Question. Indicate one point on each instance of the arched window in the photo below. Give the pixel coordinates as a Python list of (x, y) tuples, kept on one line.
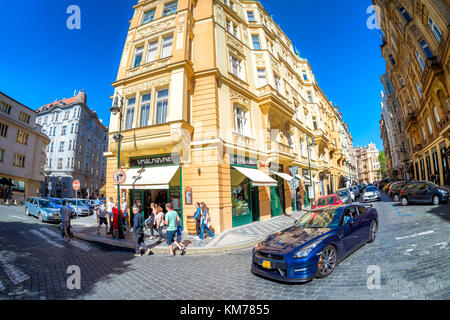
[(241, 122), (430, 127), (436, 115)]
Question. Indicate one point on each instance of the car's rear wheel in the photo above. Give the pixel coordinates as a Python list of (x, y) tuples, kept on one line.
[(327, 262), (41, 219), (396, 198), (373, 231), (27, 211), (436, 200), (404, 201)]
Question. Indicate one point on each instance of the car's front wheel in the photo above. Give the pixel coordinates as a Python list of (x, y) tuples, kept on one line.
[(404, 201), (396, 198), (327, 262), (373, 231), (436, 200), (41, 218)]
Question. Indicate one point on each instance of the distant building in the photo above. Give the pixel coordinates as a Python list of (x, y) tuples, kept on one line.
[(22, 150), (75, 152), (368, 163)]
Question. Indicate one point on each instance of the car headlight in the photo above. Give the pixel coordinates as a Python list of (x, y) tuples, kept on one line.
[(306, 251), (443, 192)]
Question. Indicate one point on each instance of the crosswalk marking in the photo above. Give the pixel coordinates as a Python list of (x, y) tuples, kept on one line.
[(14, 273), (43, 237), (81, 246)]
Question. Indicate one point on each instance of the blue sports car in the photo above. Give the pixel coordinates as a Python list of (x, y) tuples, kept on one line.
[(315, 244)]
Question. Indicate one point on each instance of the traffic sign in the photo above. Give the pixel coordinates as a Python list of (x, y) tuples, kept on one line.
[(119, 176), (76, 185)]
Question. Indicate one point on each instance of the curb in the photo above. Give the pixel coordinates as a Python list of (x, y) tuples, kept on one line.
[(164, 251)]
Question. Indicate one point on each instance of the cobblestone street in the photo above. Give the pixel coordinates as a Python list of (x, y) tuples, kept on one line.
[(412, 252)]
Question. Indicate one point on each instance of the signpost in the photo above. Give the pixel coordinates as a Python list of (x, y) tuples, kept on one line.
[(76, 186)]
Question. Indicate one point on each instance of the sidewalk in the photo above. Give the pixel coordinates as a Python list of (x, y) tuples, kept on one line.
[(239, 238)]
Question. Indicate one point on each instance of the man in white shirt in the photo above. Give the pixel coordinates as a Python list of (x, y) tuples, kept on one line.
[(109, 207), (124, 208)]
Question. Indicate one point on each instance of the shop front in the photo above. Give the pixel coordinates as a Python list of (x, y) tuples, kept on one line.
[(278, 193), (154, 179), (246, 180)]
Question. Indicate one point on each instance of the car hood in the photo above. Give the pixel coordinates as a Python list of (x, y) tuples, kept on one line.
[(50, 210), (291, 239)]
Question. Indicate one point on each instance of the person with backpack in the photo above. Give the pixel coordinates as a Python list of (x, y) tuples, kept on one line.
[(138, 233), (205, 221), (159, 223), (171, 220), (198, 219)]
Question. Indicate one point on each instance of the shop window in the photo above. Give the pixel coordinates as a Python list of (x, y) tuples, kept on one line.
[(240, 194)]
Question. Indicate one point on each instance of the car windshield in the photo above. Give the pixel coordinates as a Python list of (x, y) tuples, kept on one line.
[(45, 204), (325, 201), (371, 189), (342, 193), (433, 185), (58, 202), (324, 218)]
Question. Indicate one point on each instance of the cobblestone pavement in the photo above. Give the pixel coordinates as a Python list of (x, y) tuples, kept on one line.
[(411, 250)]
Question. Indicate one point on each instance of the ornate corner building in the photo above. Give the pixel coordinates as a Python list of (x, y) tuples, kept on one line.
[(217, 107), (416, 108)]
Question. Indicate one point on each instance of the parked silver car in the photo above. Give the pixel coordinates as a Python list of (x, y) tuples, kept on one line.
[(345, 195)]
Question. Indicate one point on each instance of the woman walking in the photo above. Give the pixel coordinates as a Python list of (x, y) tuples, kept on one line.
[(198, 218), (205, 221), (159, 222)]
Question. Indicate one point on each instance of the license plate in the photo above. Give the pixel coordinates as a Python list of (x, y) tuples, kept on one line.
[(266, 264)]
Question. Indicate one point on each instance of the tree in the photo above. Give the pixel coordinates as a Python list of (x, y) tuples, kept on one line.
[(382, 160)]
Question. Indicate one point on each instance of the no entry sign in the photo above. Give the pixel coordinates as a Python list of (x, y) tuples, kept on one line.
[(119, 177), (76, 185)]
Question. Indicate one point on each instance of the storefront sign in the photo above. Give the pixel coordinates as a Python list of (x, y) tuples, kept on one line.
[(243, 160), (188, 196), (157, 160)]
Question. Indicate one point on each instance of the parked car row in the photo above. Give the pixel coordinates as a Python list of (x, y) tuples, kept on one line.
[(408, 192), (47, 209)]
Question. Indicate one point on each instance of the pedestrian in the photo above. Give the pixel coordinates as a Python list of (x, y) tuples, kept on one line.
[(198, 219), (150, 222), (65, 220), (138, 233), (205, 221), (102, 218), (117, 216), (124, 208), (298, 199), (159, 223), (109, 207), (171, 221)]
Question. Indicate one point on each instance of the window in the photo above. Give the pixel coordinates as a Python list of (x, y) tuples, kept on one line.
[(51, 147), (129, 117), (4, 107), (426, 49), (405, 14), (166, 47), (436, 115), (148, 16), (64, 129), (435, 30), (424, 135), (400, 79), (71, 129), (418, 89), (22, 137), (3, 130), (314, 119), (235, 66), (145, 110), (388, 85), (2, 155), (277, 83), (70, 145), (19, 160), (68, 163), (392, 59), (170, 8), (61, 146), (60, 162), (162, 103), (251, 16), (138, 57), (430, 127), (240, 120), (228, 25), (262, 78), (256, 43), (152, 51), (24, 117), (310, 97), (305, 75), (236, 31)]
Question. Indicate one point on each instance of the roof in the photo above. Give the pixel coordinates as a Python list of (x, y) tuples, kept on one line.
[(64, 101)]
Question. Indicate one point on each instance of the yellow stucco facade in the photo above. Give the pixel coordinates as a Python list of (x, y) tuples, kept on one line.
[(219, 87)]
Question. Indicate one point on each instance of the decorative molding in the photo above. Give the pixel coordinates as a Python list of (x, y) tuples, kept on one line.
[(237, 96), (155, 28), (146, 85), (235, 44)]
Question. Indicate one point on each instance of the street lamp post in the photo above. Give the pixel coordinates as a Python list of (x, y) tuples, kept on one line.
[(313, 143), (116, 109)]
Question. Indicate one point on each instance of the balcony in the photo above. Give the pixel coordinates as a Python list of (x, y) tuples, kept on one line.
[(445, 121), (280, 152)]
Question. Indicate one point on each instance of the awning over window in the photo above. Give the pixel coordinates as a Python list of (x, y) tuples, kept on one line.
[(284, 176), (259, 178), (152, 178)]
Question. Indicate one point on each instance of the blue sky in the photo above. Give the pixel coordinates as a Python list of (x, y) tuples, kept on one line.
[(41, 60)]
